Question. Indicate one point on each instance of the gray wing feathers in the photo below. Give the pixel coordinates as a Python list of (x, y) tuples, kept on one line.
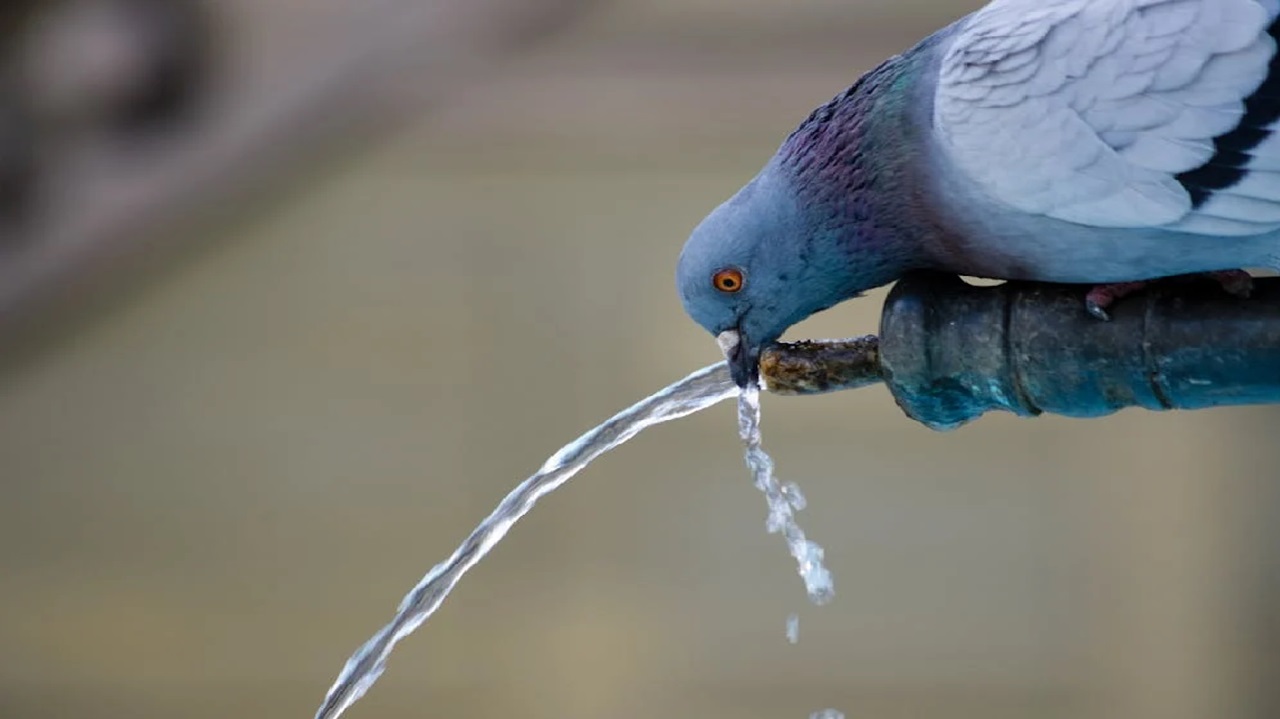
[(1106, 112)]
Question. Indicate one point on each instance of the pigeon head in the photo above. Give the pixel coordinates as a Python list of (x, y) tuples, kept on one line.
[(831, 215), (755, 266)]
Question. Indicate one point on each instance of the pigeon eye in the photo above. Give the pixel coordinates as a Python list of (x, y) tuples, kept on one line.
[(728, 280)]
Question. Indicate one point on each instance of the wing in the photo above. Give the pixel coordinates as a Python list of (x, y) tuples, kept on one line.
[(1119, 113)]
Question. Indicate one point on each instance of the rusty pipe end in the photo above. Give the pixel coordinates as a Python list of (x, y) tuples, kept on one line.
[(818, 366)]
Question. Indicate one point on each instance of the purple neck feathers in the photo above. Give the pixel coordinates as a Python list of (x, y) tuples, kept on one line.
[(853, 165), (853, 144)]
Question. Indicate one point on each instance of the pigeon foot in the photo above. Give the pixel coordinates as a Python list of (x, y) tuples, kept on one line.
[(1100, 298)]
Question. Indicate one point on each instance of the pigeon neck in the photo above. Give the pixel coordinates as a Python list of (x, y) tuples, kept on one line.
[(850, 164)]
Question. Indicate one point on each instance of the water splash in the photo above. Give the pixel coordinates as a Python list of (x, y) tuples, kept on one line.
[(691, 394), (696, 392), (784, 501)]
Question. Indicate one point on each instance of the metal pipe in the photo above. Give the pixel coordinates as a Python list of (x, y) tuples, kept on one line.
[(949, 352)]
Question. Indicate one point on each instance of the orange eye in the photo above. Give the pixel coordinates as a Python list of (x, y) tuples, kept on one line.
[(728, 280)]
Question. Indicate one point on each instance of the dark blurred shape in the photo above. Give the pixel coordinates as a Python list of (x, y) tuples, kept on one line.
[(152, 116), (14, 17), (17, 126), (952, 352), (123, 65), (129, 67), (18, 165), (176, 42)]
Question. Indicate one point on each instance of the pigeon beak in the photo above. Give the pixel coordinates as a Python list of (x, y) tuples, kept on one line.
[(743, 359)]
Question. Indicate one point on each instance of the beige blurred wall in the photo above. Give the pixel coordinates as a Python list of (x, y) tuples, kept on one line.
[(221, 482)]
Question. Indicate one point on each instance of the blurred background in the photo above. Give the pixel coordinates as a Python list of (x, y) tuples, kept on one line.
[(292, 293)]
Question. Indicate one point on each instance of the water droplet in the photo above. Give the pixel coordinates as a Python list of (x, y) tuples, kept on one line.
[(794, 496)]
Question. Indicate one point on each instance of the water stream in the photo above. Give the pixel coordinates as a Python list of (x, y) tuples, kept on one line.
[(698, 391), (784, 501)]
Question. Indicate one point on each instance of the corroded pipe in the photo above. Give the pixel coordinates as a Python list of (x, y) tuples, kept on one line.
[(817, 366), (949, 352)]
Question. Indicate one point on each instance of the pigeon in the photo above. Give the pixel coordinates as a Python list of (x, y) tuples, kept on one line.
[(1102, 142)]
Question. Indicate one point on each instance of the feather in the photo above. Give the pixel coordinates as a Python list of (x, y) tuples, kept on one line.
[(1118, 113)]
